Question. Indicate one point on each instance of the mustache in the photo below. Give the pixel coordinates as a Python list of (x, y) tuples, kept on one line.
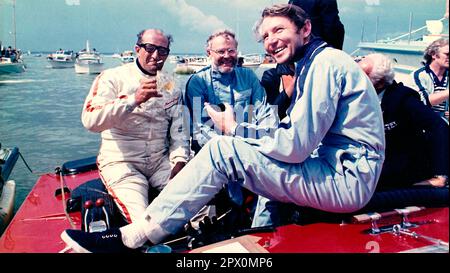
[(231, 60)]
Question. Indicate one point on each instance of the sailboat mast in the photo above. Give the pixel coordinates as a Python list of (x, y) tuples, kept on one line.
[(14, 24), (237, 24)]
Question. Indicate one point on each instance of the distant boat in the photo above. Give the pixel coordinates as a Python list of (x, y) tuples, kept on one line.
[(268, 62), (196, 62), (88, 61), (175, 59), (252, 61), (7, 66), (190, 64), (183, 69), (62, 59), (407, 49), (12, 62), (127, 57)]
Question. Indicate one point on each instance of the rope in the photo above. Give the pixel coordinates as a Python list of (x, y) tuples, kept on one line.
[(28, 167), (61, 179), (26, 164), (63, 196)]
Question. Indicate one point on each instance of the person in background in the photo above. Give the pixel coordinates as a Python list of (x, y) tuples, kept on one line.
[(136, 108), (416, 138), (326, 154), (279, 85), (240, 62), (431, 80), (325, 20)]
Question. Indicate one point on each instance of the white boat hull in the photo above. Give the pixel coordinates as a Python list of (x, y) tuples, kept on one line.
[(403, 54), (88, 68), (128, 59), (184, 69), (7, 203), (61, 64)]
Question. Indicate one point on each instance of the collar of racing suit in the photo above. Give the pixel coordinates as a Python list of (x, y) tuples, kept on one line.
[(142, 69)]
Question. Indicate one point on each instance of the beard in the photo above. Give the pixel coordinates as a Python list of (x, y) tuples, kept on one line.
[(231, 63)]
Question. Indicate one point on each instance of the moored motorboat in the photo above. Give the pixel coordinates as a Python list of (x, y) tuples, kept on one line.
[(252, 61), (127, 57), (196, 62), (89, 61), (407, 49), (61, 59)]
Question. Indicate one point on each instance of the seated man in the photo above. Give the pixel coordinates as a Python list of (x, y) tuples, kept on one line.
[(136, 107), (416, 138), (223, 82), (432, 80), (326, 154), (278, 81)]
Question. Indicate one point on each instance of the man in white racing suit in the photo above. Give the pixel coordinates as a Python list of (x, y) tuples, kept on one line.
[(137, 109)]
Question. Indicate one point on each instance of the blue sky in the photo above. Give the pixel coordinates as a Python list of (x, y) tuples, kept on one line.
[(112, 25)]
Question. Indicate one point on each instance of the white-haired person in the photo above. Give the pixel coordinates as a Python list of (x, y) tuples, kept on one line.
[(431, 80), (416, 138)]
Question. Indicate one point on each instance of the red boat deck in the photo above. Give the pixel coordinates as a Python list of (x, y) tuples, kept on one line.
[(37, 226), (38, 223), (352, 238)]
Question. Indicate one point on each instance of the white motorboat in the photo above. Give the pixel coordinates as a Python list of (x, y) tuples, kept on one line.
[(190, 64), (173, 59), (127, 57), (407, 49), (62, 59), (252, 61), (88, 61), (196, 62)]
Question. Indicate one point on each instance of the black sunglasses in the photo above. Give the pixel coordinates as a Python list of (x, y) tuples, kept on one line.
[(150, 48)]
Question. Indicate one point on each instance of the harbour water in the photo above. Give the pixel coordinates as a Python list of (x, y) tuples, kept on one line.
[(40, 113)]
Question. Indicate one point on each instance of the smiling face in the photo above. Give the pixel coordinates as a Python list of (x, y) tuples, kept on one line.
[(281, 37), (152, 62), (223, 52)]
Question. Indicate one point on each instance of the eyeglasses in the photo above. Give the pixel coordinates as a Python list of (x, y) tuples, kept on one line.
[(150, 48), (222, 52)]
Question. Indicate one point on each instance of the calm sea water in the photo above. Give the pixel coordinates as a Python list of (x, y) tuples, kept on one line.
[(40, 114)]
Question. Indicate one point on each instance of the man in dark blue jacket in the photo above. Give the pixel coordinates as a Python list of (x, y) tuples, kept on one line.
[(416, 137), (325, 20)]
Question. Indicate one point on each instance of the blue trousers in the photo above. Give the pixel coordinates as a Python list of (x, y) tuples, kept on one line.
[(312, 183)]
